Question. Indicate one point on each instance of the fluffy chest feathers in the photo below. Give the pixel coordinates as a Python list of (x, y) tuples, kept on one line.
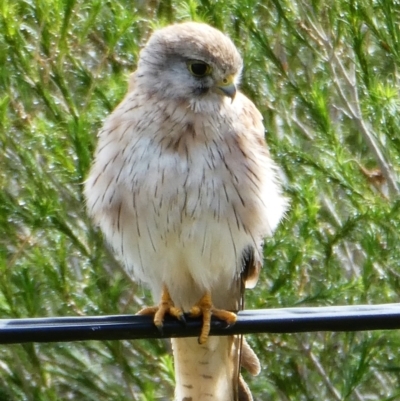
[(180, 190)]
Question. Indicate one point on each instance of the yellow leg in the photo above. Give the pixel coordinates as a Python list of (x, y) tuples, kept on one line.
[(166, 306), (206, 309)]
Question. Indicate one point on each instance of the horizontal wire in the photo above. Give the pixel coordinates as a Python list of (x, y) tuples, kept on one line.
[(130, 327)]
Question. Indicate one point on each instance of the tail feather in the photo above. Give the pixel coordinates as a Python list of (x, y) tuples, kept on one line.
[(249, 359), (250, 362), (244, 393), (209, 372), (204, 372)]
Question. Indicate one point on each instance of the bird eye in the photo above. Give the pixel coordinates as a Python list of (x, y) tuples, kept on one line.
[(198, 68)]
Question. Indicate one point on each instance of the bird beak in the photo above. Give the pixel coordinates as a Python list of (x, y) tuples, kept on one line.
[(227, 87)]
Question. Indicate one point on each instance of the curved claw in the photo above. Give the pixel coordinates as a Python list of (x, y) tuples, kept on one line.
[(182, 319)]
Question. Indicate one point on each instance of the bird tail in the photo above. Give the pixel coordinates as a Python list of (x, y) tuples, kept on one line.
[(210, 370)]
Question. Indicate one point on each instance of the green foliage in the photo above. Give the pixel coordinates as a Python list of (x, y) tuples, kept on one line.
[(324, 75)]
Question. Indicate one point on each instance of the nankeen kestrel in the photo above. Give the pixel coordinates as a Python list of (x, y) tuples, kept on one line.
[(184, 189)]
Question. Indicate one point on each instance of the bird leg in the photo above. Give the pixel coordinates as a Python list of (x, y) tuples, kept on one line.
[(205, 308), (166, 305)]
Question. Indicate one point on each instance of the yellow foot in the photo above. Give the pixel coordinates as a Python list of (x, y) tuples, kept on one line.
[(166, 306), (205, 307)]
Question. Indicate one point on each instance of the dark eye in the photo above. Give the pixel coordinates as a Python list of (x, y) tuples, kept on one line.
[(198, 68)]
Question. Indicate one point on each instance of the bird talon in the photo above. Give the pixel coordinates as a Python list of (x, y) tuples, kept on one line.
[(160, 328), (166, 306), (195, 311), (227, 316), (205, 308), (182, 319), (149, 310)]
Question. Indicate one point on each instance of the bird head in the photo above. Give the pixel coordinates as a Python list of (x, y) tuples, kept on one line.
[(190, 62)]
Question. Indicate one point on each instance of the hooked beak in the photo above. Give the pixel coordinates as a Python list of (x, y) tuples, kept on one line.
[(227, 87)]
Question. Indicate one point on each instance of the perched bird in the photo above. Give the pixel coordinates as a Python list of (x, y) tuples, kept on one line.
[(184, 189)]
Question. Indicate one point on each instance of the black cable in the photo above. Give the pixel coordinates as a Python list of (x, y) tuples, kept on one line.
[(119, 327)]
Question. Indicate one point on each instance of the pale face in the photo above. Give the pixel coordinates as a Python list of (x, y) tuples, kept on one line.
[(179, 64)]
